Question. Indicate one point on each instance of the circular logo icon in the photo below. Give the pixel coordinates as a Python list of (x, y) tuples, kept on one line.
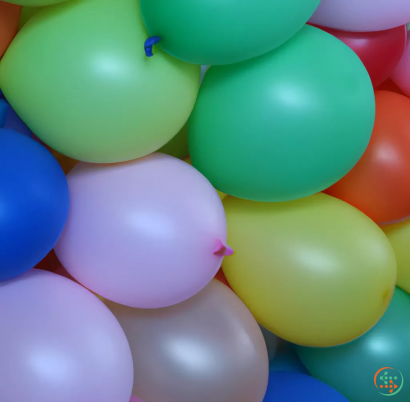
[(388, 381)]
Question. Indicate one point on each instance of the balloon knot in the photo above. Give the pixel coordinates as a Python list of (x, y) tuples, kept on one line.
[(222, 249), (149, 44)]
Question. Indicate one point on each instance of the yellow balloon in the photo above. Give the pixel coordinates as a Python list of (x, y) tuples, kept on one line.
[(316, 271), (399, 236), (222, 196)]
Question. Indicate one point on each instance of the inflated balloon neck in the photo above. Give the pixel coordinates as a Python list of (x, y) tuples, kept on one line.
[(222, 249), (150, 43)]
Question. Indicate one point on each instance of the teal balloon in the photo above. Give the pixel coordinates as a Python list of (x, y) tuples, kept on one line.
[(224, 32), (351, 368), (285, 125)]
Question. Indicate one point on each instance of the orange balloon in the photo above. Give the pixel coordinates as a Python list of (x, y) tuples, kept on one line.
[(379, 185), (9, 22)]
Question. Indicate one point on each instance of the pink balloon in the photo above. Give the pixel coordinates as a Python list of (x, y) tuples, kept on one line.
[(148, 233), (362, 15), (401, 75), (58, 342)]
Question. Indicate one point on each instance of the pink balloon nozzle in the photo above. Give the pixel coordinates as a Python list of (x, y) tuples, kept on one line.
[(222, 249)]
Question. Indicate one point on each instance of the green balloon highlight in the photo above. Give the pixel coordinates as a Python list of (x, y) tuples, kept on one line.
[(285, 125), (224, 32), (78, 76), (353, 368)]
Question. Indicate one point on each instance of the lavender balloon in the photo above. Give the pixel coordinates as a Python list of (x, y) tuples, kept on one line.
[(362, 15), (148, 233), (58, 342)]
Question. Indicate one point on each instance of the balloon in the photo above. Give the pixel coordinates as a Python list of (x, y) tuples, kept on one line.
[(260, 129), (315, 271), (149, 233), (399, 237), (380, 52), (363, 15), (110, 102), (3, 112), (221, 278), (215, 32), (287, 386), (401, 75), (34, 203), (49, 263), (35, 3), (178, 146), (390, 86), (188, 160), (208, 348), (9, 20), (286, 359), (67, 164), (352, 368), (13, 122), (377, 185), (134, 399), (271, 341), (26, 14), (58, 342)]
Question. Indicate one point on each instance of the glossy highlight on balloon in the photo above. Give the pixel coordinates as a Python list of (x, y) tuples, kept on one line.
[(300, 267), (60, 343), (379, 51), (148, 233), (207, 348), (260, 129), (377, 185), (34, 203), (110, 103), (350, 368), (207, 32)]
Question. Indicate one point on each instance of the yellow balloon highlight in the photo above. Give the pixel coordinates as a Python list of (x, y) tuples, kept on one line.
[(316, 271), (399, 236), (222, 196)]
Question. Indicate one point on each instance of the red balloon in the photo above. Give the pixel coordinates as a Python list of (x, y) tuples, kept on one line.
[(380, 51), (379, 184)]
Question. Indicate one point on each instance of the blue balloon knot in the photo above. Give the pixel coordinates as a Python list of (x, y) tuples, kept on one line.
[(149, 44)]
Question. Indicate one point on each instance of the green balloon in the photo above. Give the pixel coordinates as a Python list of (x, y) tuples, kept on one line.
[(26, 14), (178, 146), (78, 76), (35, 3), (353, 368), (285, 125), (223, 32)]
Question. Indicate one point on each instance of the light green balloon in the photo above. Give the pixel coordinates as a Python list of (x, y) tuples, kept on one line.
[(78, 76), (35, 3), (26, 14), (178, 146)]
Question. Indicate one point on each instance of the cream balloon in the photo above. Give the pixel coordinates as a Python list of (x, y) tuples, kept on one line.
[(316, 271), (206, 349)]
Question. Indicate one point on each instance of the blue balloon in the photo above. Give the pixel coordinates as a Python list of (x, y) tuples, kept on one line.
[(288, 386), (3, 112), (13, 122), (33, 203)]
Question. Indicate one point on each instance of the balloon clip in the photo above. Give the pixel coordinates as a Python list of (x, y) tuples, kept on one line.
[(222, 249), (150, 43)]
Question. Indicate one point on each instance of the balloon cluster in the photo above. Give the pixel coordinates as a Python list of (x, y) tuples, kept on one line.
[(146, 143)]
